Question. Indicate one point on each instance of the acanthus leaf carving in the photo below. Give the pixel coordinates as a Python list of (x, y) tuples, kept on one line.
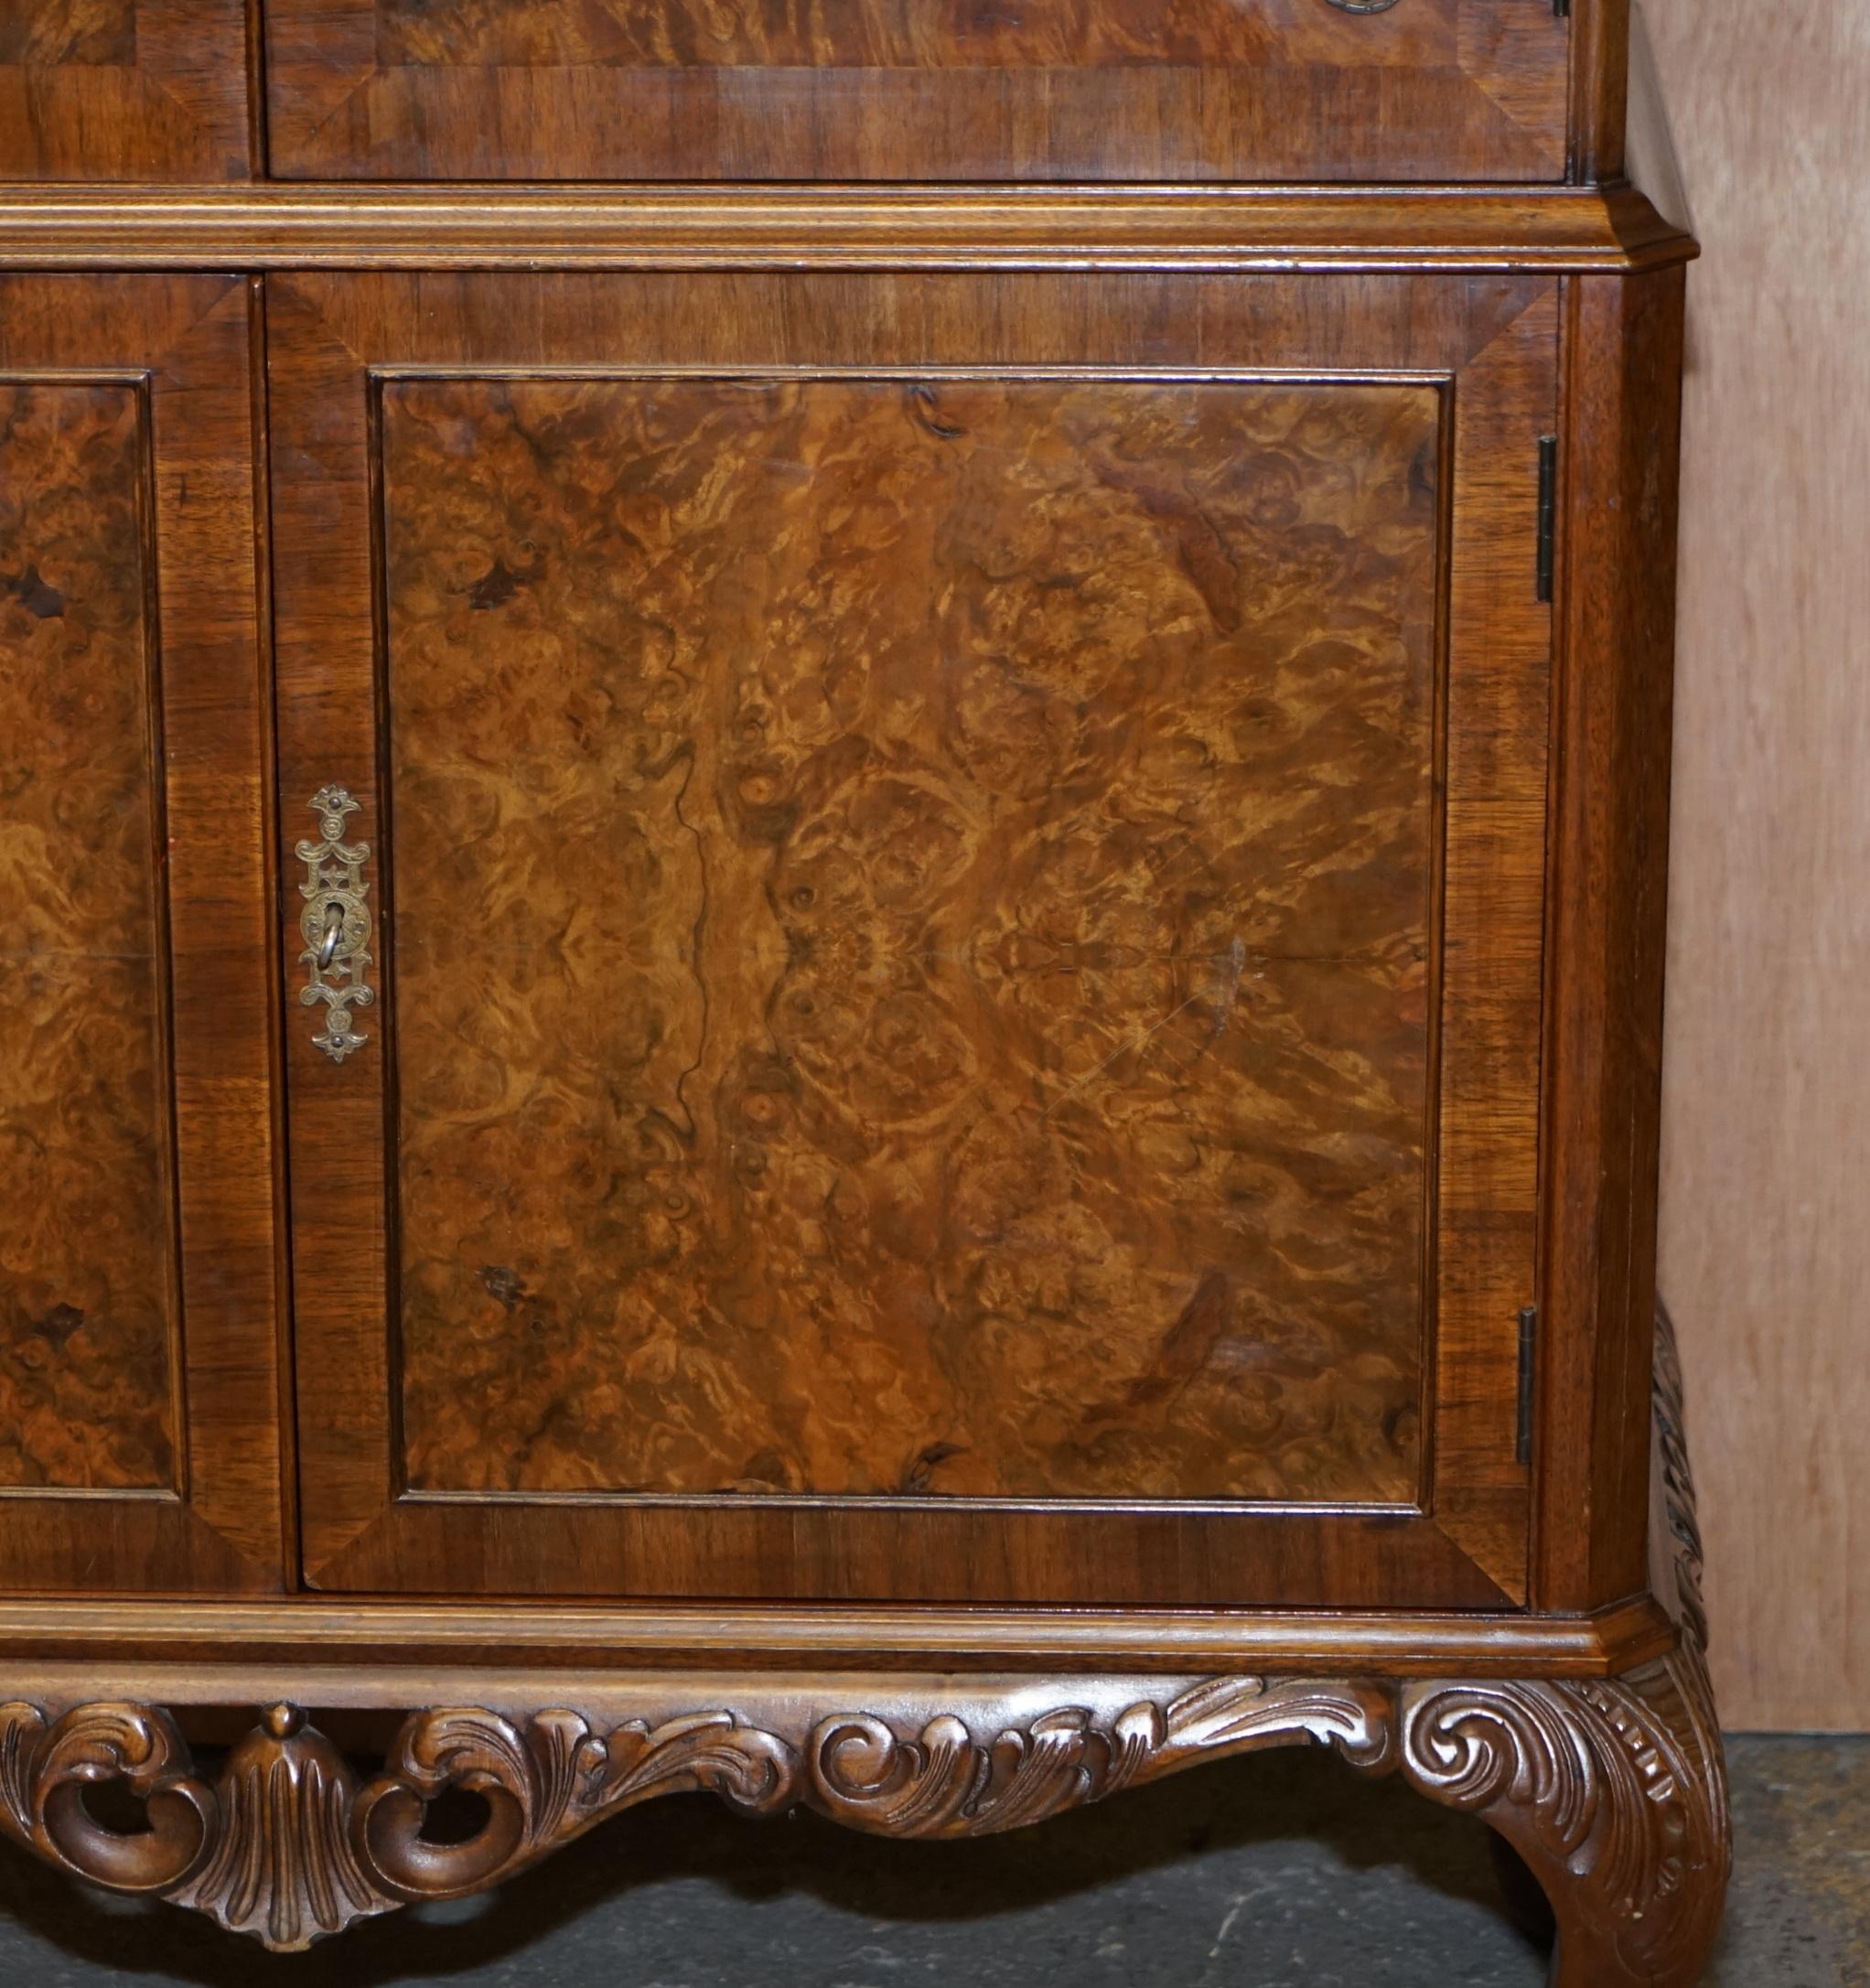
[(943, 1782), (483, 1753), (22, 1726), (1352, 1717), (288, 1848), (1607, 1790), (754, 1770), (946, 1782)]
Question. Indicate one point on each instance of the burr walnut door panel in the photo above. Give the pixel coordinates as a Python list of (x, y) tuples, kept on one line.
[(138, 1379), (941, 89), (920, 930)]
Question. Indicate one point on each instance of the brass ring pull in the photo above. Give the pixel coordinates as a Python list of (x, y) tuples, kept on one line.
[(334, 935)]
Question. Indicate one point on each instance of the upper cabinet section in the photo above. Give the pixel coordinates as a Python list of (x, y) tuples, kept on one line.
[(1050, 91), (123, 90)]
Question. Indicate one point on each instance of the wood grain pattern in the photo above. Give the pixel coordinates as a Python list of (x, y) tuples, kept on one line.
[(1493, 925), (874, 34), (87, 1297), (130, 90), (918, 980), (144, 529), (1600, 89), (1493, 334), (1135, 89), (74, 31), (1766, 1143)]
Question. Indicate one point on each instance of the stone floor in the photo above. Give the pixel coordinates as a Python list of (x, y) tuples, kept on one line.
[(1282, 1871)]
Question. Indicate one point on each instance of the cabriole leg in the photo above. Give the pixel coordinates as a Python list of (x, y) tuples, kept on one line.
[(1614, 1793)]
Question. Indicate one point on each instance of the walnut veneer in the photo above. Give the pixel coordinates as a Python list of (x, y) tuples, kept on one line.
[(835, 960)]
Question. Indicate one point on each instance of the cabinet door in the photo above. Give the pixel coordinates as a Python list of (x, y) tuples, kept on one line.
[(138, 1248), (932, 887), (941, 89)]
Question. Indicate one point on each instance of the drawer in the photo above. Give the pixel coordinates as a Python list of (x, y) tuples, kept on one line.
[(123, 90), (1171, 90)]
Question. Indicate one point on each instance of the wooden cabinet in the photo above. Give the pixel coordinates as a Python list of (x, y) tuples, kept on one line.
[(848, 992)]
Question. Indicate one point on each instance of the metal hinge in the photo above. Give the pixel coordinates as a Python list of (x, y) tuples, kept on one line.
[(1548, 510), (1529, 1335), (1562, 8)]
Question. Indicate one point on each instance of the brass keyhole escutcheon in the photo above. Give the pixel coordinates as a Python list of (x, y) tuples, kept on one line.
[(336, 924)]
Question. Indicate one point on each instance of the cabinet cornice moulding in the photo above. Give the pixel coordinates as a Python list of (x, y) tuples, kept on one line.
[(984, 228)]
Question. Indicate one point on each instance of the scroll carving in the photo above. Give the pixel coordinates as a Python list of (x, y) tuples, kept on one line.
[(1613, 1791), (545, 1783), (46, 1766), (288, 1848), (946, 1782)]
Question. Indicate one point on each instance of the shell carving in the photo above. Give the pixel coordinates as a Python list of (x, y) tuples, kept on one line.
[(282, 1867)]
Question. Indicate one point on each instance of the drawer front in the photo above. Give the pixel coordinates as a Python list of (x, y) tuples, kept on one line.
[(130, 90), (138, 1389), (920, 928), (872, 90)]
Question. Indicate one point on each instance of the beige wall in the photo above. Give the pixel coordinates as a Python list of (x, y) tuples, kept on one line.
[(1766, 1209)]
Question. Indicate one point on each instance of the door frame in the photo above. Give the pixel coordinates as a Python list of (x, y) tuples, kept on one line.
[(188, 346)]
